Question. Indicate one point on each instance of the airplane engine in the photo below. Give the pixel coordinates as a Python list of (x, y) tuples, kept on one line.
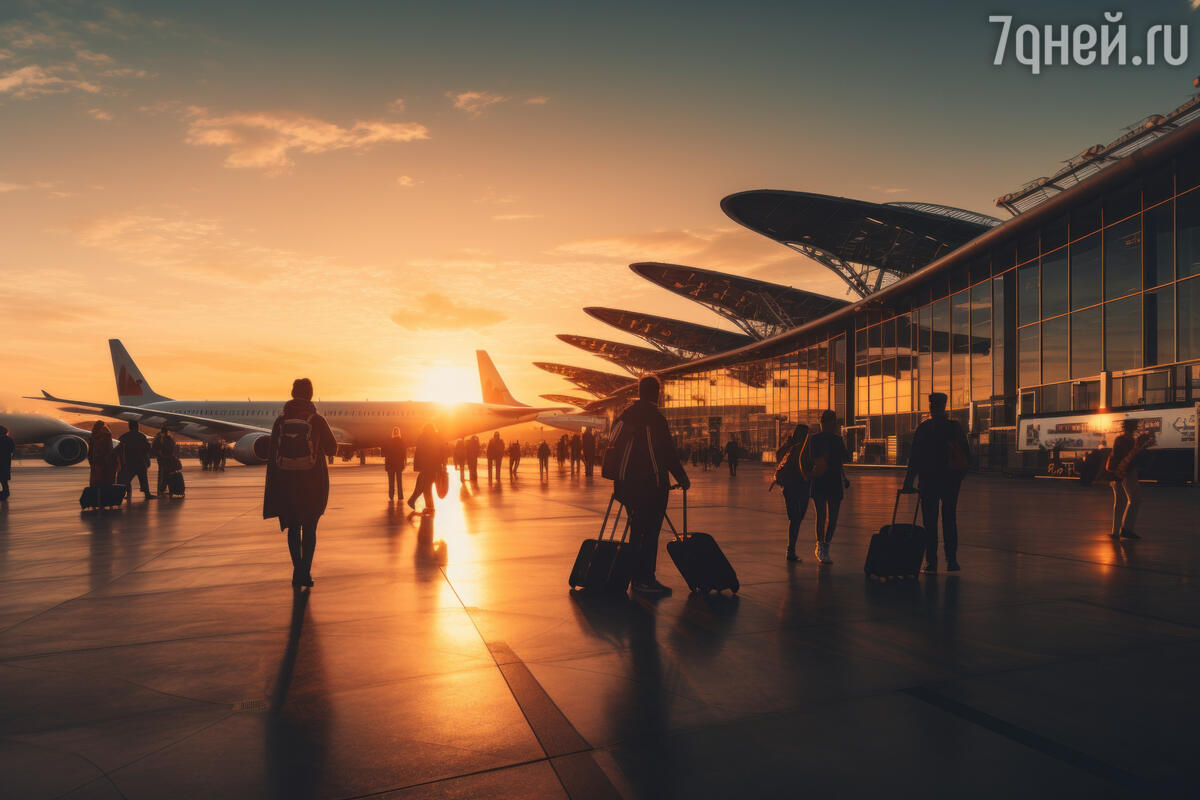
[(65, 450), (252, 448)]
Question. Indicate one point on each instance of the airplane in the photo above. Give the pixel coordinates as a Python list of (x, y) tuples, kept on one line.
[(62, 444), (357, 425), (572, 421)]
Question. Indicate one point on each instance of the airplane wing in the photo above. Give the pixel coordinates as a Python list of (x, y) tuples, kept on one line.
[(155, 418)]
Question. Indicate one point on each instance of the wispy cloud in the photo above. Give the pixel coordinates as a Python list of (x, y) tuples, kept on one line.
[(396, 105), (100, 114), (33, 81), (434, 311), (888, 190), (475, 102), (514, 217), (541, 99), (269, 139), (730, 247), (93, 57), (407, 181)]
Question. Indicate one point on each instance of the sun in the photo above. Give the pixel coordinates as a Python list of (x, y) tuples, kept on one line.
[(448, 384)]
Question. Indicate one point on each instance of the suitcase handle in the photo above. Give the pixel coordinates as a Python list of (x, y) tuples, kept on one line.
[(667, 517), (896, 508), (616, 521)]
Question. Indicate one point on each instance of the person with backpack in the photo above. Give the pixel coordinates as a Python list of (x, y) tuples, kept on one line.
[(495, 454), (297, 483), (938, 460), (429, 459), (543, 456), (793, 481), (822, 460), (641, 462), (395, 457)]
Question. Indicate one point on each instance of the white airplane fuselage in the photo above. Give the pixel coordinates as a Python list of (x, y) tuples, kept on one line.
[(359, 424)]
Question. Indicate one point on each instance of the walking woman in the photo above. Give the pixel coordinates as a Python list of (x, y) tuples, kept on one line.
[(297, 487), (101, 457), (428, 460), (794, 482), (822, 461)]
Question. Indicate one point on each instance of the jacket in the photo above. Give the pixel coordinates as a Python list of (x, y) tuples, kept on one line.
[(299, 495), (646, 455), (932, 446), (428, 455), (395, 453), (136, 448)]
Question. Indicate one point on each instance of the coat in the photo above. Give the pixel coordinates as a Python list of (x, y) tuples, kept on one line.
[(296, 496), (395, 454), (102, 461), (648, 458)]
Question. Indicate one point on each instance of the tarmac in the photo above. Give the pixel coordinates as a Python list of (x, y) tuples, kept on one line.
[(160, 651)]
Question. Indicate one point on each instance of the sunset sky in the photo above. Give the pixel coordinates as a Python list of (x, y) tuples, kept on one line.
[(365, 193)]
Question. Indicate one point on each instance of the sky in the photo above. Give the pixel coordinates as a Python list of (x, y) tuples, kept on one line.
[(367, 192)]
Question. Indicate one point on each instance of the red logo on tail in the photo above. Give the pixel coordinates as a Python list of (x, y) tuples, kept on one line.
[(127, 385)]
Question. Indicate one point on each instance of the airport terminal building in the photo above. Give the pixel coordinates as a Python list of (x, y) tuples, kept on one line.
[(1044, 330)]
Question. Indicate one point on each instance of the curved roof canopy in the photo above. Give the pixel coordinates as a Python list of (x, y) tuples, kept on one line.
[(868, 245), (759, 308), (627, 356), (590, 380), (566, 399), (674, 336)]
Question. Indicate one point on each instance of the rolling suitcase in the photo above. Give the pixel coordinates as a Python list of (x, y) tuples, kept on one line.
[(700, 560), (175, 486), (604, 564), (897, 550), (102, 496)]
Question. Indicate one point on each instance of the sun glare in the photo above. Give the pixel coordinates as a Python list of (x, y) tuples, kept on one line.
[(449, 384)]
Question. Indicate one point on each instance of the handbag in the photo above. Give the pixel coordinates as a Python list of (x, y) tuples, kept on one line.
[(442, 483)]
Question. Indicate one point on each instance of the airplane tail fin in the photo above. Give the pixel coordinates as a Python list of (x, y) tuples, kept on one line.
[(132, 388), (494, 390)]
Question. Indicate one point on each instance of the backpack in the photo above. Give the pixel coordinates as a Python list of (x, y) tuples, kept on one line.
[(617, 456), (788, 470), (295, 450)]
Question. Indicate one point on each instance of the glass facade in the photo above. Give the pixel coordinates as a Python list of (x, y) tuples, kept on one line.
[(1098, 309)]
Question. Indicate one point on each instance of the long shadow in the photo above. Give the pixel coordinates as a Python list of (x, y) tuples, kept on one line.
[(298, 715), (431, 554)]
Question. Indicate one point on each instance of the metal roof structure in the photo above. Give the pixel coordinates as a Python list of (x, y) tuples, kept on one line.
[(566, 399), (759, 308), (681, 339), (630, 357), (867, 245), (1098, 157), (592, 381)]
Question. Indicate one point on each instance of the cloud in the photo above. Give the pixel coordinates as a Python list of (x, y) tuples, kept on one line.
[(11, 187), (887, 190), (731, 247), (434, 311), (541, 99), (407, 181), (396, 105), (268, 139), (92, 57), (100, 114), (474, 102), (512, 217), (33, 81)]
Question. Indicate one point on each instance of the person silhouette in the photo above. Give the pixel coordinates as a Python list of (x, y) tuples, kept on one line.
[(101, 459), (642, 442), (1127, 492), (428, 458), (938, 460), (495, 453), (395, 456), (296, 489), (588, 449), (473, 459), (543, 457), (7, 449), (822, 460), (791, 478), (136, 450), (514, 458), (163, 451), (732, 454)]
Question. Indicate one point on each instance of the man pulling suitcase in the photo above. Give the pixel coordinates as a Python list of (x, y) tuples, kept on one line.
[(641, 462)]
